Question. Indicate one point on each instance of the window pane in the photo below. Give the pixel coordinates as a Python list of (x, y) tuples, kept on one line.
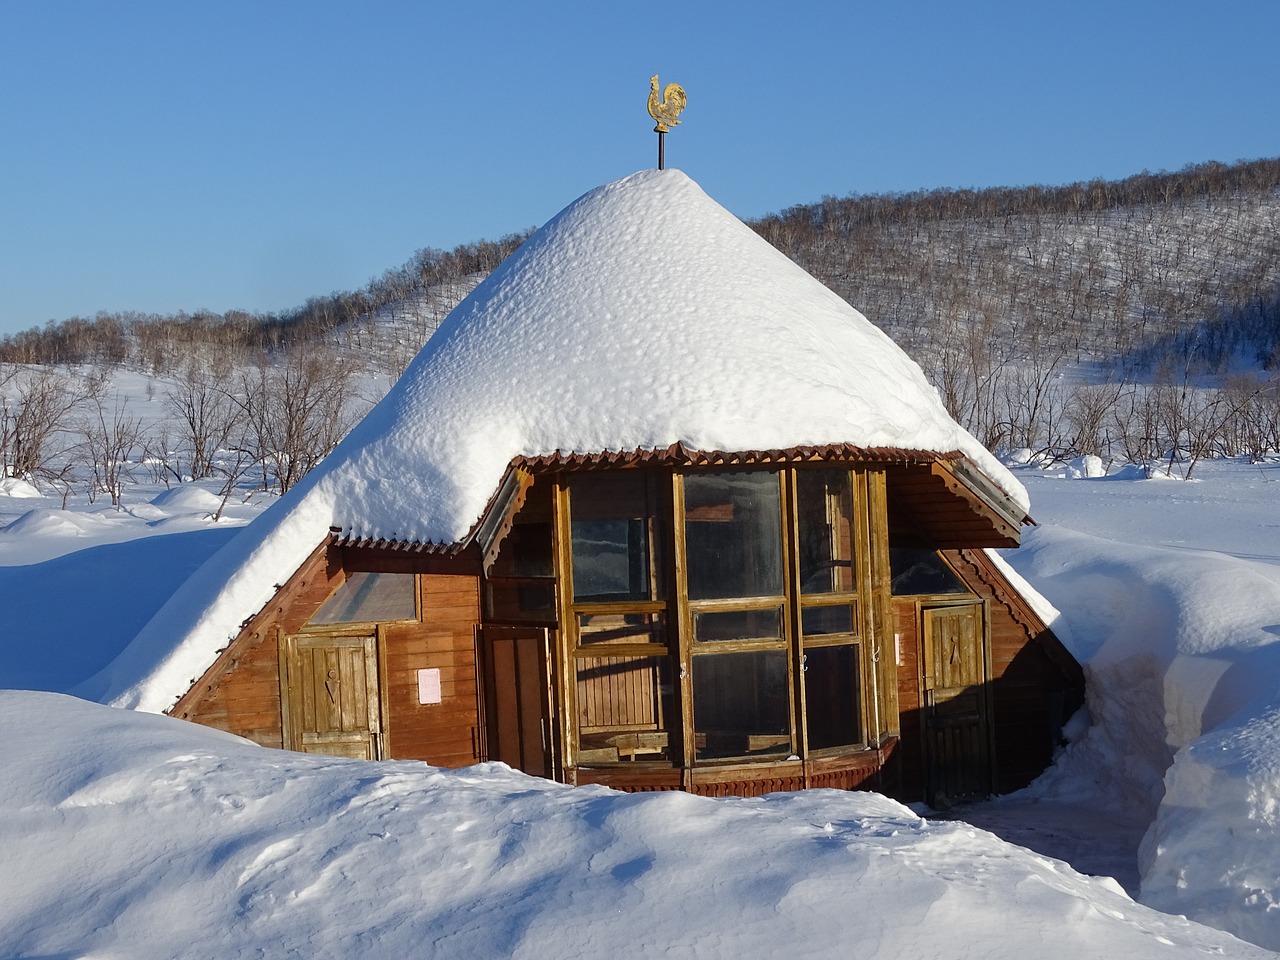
[(607, 628), (741, 706), (530, 600), (526, 552), (738, 625), (917, 571), (832, 696), (370, 596), (611, 520), (822, 621), (522, 584), (733, 535), (624, 707), (824, 501)]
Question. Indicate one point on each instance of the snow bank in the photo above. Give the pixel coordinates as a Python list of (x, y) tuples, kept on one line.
[(643, 315), (1181, 659), (133, 835), (17, 488)]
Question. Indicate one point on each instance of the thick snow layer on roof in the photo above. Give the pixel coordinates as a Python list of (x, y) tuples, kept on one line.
[(643, 315)]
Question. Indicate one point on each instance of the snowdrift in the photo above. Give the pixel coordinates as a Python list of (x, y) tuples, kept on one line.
[(1182, 657), (130, 834)]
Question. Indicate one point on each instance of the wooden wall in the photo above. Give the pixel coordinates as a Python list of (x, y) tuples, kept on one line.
[(446, 733), (1035, 683), (908, 764), (240, 692)]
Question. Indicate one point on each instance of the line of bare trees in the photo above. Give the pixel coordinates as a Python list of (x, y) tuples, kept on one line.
[(419, 293), (1171, 419), (262, 426)]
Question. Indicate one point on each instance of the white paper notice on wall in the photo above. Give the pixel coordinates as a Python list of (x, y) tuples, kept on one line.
[(429, 685)]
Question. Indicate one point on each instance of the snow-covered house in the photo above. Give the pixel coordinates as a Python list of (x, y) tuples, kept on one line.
[(654, 508)]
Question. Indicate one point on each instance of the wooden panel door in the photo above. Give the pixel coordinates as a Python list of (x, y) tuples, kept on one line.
[(330, 689), (956, 715), (517, 698)]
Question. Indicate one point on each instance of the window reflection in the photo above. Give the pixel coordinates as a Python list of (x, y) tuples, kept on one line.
[(824, 505), (733, 535), (368, 597), (611, 540), (741, 706)]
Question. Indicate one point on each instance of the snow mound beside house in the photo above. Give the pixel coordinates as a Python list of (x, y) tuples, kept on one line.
[(641, 316), (1181, 650), (134, 835)]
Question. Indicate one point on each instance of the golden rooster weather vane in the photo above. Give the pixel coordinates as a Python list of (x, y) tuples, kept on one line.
[(665, 111)]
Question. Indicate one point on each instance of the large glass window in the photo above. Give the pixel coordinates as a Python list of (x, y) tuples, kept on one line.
[(741, 705), (763, 601), (735, 574), (612, 538), (829, 642), (626, 704), (733, 535)]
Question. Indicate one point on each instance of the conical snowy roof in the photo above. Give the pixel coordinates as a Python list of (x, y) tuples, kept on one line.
[(642, 316)]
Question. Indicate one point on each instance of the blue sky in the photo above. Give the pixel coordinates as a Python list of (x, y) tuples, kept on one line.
[(172, 155)]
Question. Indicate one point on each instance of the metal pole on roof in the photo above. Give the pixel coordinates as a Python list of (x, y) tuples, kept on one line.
[(666, 112)]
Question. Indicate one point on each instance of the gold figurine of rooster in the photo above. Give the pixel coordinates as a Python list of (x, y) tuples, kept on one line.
[(667, 110)]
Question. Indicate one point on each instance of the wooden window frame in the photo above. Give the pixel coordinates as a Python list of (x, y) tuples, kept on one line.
[(870, 577)]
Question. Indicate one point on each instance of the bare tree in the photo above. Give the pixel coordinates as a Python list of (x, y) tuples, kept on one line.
[(35, 409), (107, 440), (295, 413), (207, 415)]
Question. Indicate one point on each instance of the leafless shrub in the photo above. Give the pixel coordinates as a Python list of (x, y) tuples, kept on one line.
[(35, 409), (295, 412), (108, 438), (206, 414)]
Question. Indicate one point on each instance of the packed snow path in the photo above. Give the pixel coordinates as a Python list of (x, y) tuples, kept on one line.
[(1095, 841)]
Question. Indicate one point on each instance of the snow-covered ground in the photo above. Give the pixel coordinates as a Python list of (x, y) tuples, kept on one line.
[(134, 835)]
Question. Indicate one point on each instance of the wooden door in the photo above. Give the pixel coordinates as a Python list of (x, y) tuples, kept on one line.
[(331, 696), (956, 697), (517, 698)]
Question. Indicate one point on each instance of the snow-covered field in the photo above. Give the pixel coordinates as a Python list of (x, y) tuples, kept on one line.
[(132, 835)]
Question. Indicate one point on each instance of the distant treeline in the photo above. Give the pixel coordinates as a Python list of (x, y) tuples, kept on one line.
[(1195, 182), (162, 342)]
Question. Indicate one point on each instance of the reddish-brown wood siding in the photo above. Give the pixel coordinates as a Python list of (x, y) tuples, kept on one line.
[(445, 733), (859, 771), (1034, 685), (909, 761)]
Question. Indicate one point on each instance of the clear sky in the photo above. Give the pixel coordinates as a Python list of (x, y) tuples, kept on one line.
[(173, 155)]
